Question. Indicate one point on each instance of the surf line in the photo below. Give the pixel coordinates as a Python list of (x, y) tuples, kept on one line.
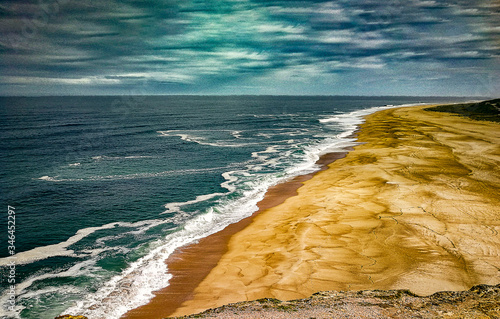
[(190, 264)]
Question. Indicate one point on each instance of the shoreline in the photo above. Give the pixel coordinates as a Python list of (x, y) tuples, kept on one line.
[(412, 207), (190, 264), (185, 265)]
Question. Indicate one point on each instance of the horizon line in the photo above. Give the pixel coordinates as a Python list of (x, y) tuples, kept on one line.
[(253, 95)]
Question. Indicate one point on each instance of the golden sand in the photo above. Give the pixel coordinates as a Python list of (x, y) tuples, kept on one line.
[(414, 207), (189, 265)]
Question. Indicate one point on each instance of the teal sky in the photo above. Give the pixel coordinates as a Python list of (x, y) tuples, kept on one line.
[(344, 47)]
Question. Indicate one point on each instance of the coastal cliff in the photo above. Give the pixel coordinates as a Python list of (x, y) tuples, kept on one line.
[(480, 301)]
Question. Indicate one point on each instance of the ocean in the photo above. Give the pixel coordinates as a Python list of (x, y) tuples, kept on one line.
[(103, 189)]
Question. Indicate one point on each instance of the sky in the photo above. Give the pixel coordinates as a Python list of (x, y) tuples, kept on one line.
[(276, 47)]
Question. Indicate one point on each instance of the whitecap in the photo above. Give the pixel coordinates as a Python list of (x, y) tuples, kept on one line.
[(110, 158), (136, 156), (175, 207), (132, 176), (329, 120), (59, 249), (199, 140), (47, 178), (83, 268), (230, 179), (268, 150), (236, 134), (227, 184), (189, 137)]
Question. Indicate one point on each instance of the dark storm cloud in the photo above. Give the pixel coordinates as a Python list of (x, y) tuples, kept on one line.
[(202, 45)]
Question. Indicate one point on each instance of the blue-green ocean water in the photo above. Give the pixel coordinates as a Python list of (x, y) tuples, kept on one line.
[(105, 188)]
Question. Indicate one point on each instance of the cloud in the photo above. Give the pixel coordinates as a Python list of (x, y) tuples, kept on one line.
[(279, 28), (188, 44)]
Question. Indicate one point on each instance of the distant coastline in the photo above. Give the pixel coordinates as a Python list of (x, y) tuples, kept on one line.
[(482, 111)]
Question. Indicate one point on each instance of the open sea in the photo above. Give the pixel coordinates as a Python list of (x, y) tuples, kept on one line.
[(103, 189)]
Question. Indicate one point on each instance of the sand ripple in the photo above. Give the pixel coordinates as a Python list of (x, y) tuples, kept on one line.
[(416, 207)]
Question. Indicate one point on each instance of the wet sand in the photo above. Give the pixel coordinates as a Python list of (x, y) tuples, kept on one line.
[(189, 265), (414, 207)]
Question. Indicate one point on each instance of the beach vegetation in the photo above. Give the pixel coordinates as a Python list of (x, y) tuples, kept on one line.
[(482, 111)]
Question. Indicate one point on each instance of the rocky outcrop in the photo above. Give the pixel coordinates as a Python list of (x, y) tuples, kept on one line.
[(481, 301), (71, 317)]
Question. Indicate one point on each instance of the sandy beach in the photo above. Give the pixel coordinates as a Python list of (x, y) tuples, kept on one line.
[(189, 265), (414, 207)]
